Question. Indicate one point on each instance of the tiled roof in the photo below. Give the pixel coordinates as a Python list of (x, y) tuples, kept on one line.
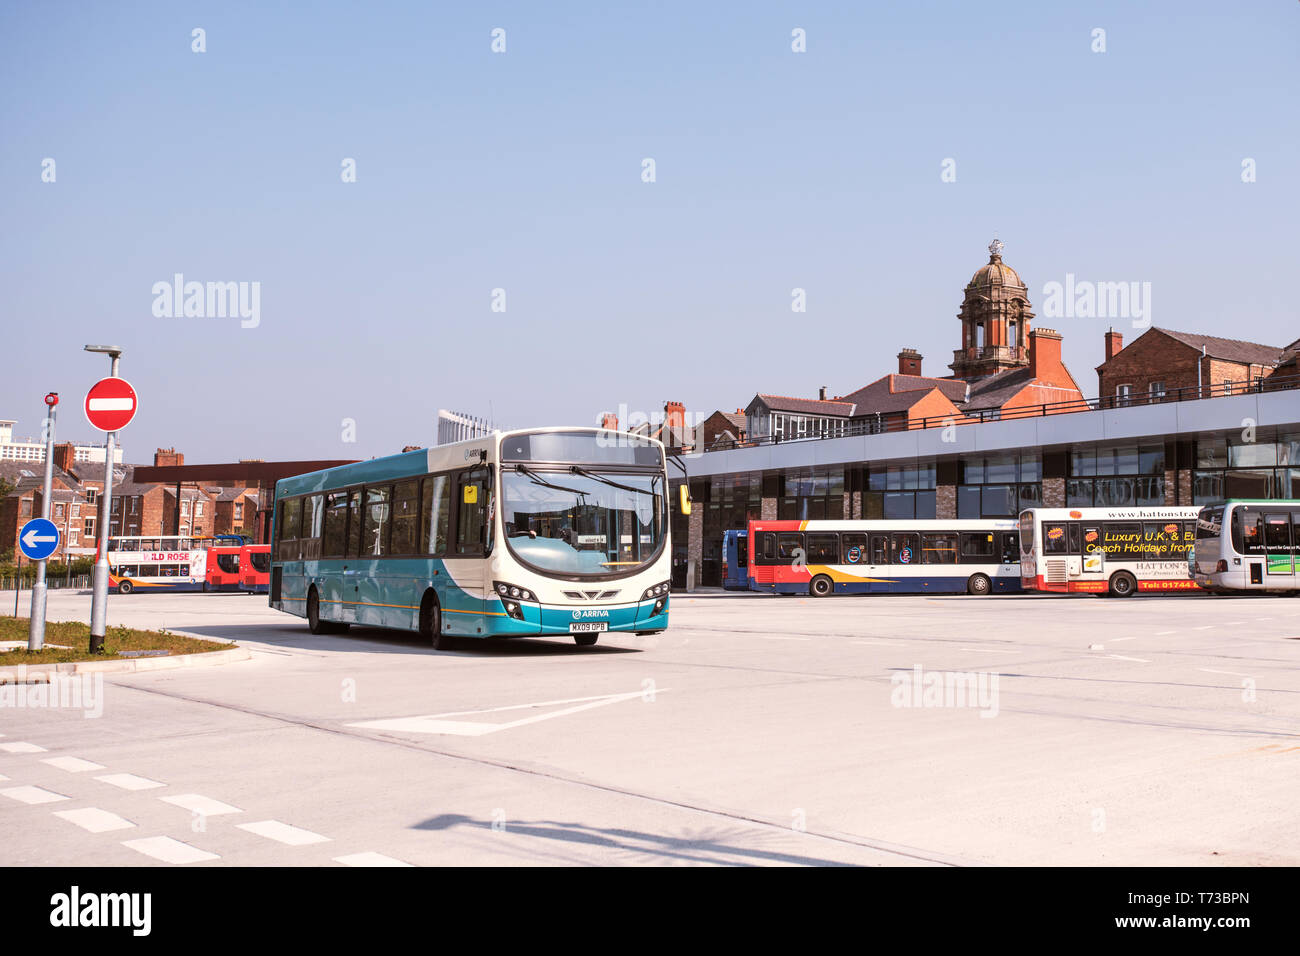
[(895, 393), (1230, 350), (807, 406)]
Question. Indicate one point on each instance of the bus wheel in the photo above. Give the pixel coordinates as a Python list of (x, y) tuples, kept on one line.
[(314, 622), (431, 623), (821, 586), (585, 640), (1123, 584), (125, 588), (979, 585)]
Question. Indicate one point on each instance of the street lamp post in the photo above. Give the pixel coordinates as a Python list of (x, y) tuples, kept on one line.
[(99, 594), (36, 614)]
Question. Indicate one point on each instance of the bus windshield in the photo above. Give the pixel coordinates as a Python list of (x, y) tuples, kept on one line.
[(582, 521)]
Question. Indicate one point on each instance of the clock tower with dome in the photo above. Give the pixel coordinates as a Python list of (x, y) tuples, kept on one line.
[(995, 317)]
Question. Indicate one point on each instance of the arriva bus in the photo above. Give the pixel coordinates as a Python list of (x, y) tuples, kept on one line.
[(1248, 546), (735, 560), (1115, 551), (161, 562), (922, 556), (555, 531)]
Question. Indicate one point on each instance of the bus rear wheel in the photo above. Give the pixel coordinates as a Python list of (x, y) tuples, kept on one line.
[(314, 622), (1123, 584), (431, 623), (979, 585), (125, 587), (821, 586)]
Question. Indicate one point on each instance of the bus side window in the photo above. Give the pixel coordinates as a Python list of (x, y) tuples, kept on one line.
[(767, 547), (855, 548), (1010, 547), (354, 525), (1055, 540), (336, 524), (787, 544), (904, 549), (880, 549), (1076, 539), (824, 548)]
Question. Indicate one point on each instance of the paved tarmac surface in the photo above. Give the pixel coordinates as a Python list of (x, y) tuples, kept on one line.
[(758, 730)]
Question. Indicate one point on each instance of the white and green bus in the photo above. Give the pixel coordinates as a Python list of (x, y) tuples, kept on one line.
[(1248, 546), (545, 532)]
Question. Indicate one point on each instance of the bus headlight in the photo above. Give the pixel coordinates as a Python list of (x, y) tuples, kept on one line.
[(659, 590), (512, 591)]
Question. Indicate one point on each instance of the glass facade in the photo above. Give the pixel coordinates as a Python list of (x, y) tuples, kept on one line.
[(1233, 467), (999, 486), (1116, 476), (900, 491)]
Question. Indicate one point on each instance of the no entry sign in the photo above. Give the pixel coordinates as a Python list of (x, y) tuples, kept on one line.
[(110, 404)]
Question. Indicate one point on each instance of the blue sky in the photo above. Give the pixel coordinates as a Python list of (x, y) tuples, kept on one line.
[(522, 171)]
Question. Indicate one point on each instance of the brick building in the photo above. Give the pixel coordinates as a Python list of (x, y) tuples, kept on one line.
[(1162, 361)]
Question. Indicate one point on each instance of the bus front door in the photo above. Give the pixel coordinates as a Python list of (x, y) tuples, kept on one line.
[(1093, 566)]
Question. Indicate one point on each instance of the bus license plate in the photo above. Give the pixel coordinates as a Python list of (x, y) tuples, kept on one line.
[(588, 626)]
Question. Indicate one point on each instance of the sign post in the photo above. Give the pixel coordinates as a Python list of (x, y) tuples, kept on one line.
[(32, 540), (110, 405)]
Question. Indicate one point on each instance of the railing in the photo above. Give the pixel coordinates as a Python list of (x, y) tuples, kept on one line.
[(53, 582), (898, 422)]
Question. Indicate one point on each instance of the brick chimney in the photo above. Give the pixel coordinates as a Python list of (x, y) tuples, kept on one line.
[(167, 457), (821, 393), (1114, 342), (65, 455), (609, 421), (1044, 353), (909, 362), (674, 423)]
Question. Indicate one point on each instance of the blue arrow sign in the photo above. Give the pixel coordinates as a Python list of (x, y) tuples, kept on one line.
[(39, 539)]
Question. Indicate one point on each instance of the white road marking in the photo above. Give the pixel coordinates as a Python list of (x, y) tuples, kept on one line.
[(283, 833), (368, 859), (1121, 657), (434, 724), (129, 781), (72, 764), (200, 804), (32, 795), (1116, 640), (1163, 633), (94, 819), (169, 850), (1203, 627), (3, 777), (1231, 623), (19, 747), (1209, 670)]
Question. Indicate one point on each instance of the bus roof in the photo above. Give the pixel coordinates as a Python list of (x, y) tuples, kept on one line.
[(418, 462)]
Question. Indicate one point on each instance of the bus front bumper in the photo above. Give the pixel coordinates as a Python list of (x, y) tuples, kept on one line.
[(567, 620)]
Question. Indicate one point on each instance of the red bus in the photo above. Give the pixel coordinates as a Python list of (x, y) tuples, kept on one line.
[(223, 568), (255, 568)]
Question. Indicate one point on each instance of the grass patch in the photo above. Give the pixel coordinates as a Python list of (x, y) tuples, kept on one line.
[(76, 636)]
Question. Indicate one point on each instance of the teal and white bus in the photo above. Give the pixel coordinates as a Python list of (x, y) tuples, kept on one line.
[(1248, 546), (553, 531)]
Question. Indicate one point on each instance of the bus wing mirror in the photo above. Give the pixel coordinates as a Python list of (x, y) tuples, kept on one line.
[(685, 499)]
